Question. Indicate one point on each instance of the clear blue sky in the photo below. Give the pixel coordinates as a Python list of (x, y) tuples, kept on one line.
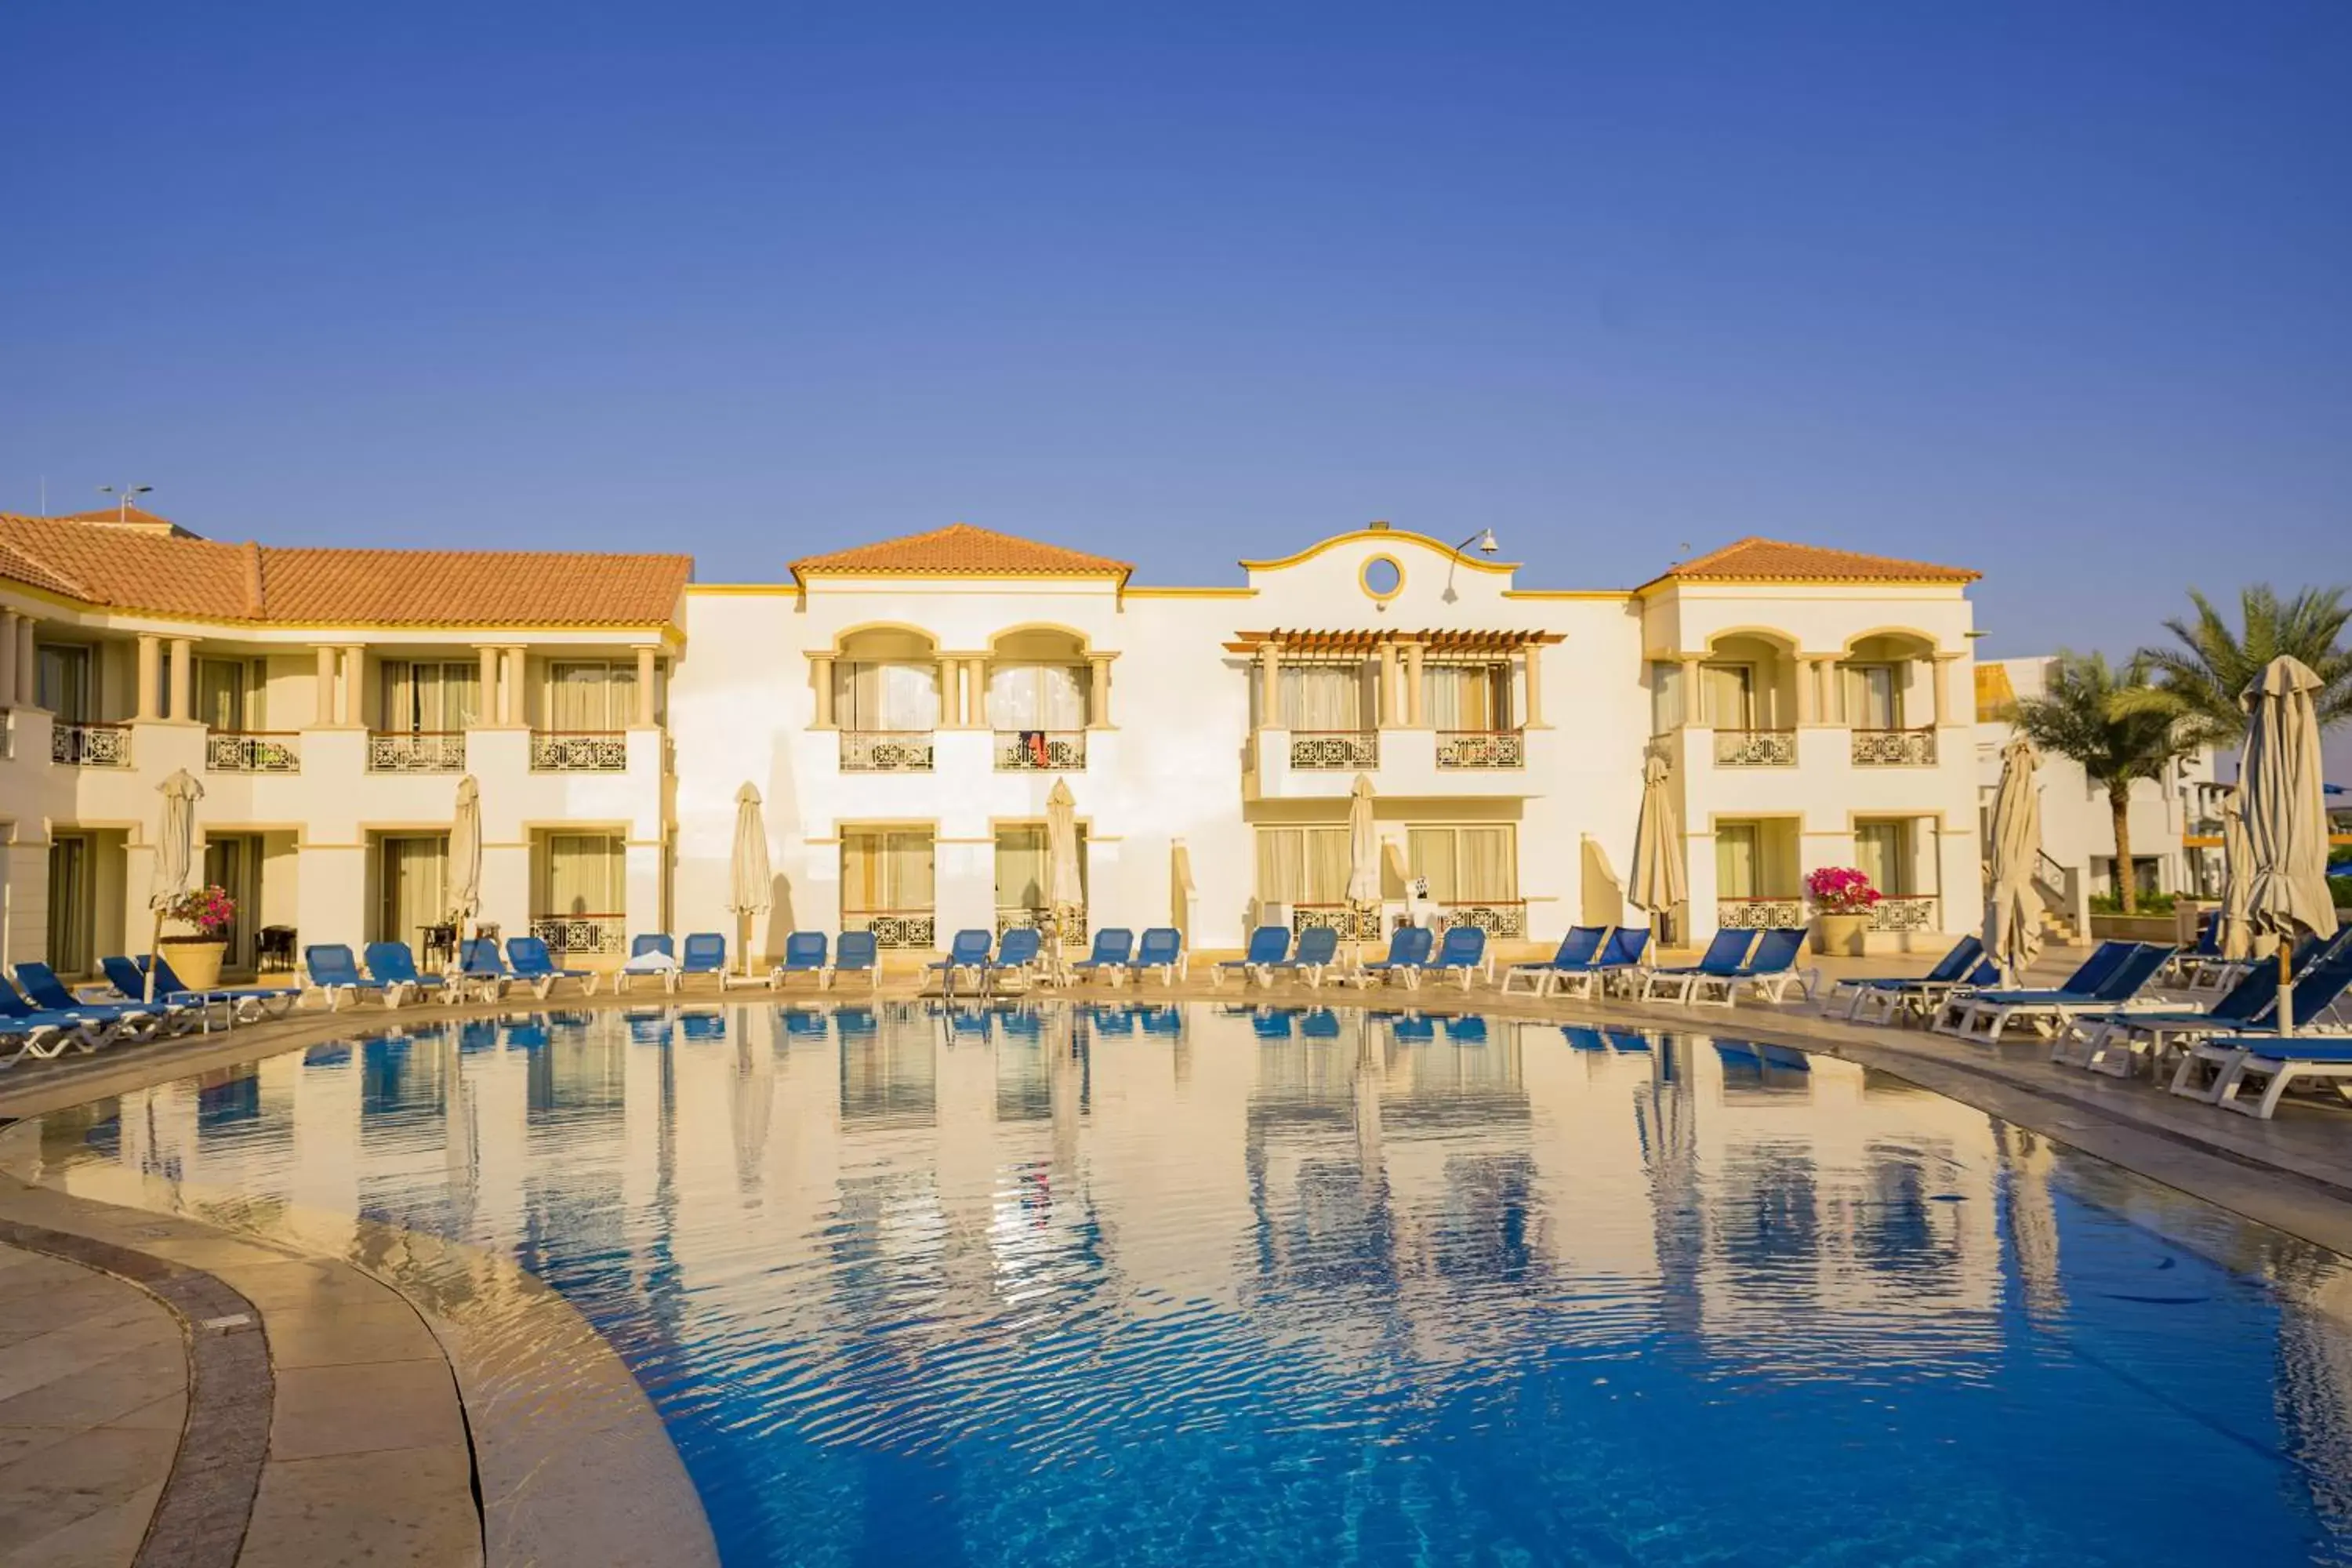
[(2060, 290)]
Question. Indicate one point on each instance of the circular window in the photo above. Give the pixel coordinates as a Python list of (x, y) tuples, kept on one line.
[(1382, 578)]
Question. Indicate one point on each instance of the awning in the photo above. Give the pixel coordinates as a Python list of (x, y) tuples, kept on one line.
[(1304, 643)]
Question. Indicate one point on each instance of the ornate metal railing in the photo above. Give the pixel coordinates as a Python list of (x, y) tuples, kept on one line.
[(1755, 748), (1904, 912), (895, 928), (580, 934), (1497, 919), (253, 752), (1759, 913), (1482, 749), (1335, 749), (1025, 920), (1357, 925), (1894, 748), (1041, 750), (416, 751), (579, 752), (91, 745), (886, 752)]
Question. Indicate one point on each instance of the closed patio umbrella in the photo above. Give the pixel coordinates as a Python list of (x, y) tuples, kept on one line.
[(2285, 815), (1364, 859), (1065, 890), (176, 856), (465, 858), (1657, 884), (748, 873), (2012, 922), (2237, 937)]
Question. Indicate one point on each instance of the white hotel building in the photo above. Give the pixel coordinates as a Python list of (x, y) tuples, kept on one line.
[(904, 708)]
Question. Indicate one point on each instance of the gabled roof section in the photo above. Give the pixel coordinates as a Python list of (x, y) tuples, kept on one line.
[(1754, 560), (137, 517), (959, 549), (178, 574)]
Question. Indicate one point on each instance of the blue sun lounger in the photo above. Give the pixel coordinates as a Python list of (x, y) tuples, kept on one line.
[(1114, 948), (392, 966), (1982, 1017), (857, 953), (335, 974), (1727, 953), (2324, 1055), (2089, 975), (1268, 945), (48, 993), (968, 952), (1575, 955), (1407, 960), (1462, 954), (1890, 994), (535, 967), (805, 953), (2111, 1041), (1316, 953), (1772, 970)]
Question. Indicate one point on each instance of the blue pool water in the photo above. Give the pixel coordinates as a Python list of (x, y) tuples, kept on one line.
[(1188, 1284)]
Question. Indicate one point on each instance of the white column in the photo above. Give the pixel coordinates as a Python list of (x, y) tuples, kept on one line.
[(28, 664), (184, 681), (486, 701), (1392, 684), (151, 675), (1694, 699), (1098, 692), (952, 707), (517, 687), (325, 715), (645, 672), (975, 693), (821, 673), (354, 704), (1413, 696), (1533, 720), (1943, 662)]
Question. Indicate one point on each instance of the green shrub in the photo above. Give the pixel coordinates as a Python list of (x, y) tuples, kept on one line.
[(2149, 904)]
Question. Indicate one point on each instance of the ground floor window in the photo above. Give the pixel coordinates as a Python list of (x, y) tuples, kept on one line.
[(1466, 865), (1882, 851), (233, 861), (1020, 857), (887, 881), (71, 913), (1302, 865), (415, 878)]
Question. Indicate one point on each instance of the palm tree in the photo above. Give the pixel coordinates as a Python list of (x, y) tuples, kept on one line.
[(2100, 718), (2197, 682)]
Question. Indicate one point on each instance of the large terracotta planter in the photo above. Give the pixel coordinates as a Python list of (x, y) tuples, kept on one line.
[(1840, 935), (196, 960)]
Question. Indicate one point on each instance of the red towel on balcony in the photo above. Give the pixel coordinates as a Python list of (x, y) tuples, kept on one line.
[(1035, 741)]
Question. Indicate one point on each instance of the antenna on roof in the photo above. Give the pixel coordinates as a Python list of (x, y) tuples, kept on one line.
[(122, 512)]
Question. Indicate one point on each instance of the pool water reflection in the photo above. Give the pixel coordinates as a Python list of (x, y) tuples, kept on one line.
[(1061, 1284)]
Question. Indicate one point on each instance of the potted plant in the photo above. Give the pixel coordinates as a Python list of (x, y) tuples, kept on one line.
[(194, 954), (1843, 899)]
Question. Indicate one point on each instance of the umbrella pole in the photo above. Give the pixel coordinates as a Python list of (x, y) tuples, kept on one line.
[(2286, 986), (155, 954)]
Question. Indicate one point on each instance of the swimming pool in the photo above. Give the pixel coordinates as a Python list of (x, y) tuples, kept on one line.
[(1187, 1284)]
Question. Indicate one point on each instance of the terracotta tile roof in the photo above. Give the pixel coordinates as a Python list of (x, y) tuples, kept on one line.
[(1756, 559), (136, 516), (182, 575), (959, 549)]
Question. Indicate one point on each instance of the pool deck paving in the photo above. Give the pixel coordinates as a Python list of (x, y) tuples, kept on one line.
[(177, 1393)]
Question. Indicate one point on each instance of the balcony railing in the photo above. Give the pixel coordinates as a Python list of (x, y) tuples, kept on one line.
[(91, 745), (1904, 912), (1894, 748), (1482, 749), (1496, 917), (1759, 913), (579, 752), (895, 928), (1358, 924), (1029, 920), (886, 752), (569, 936), (416, 751), (1335, 749), (1755, 747), (253, 752), (1041, 750)]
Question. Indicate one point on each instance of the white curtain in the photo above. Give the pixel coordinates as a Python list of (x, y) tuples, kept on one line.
[(1466, 865), (1736, 863), (227, 697), (886, 869), (1730, 695), (1021, 856), (1303, 865), (1325, 697), (1468, 696), (415, 882), (591, 696), (874, 695), (583, 874), (1882, 851), (1037, 697), (1874, 697), (421, 697), (63, 683)]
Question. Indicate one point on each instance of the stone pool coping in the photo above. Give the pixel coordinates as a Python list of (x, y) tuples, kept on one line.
[(526, 1366)]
